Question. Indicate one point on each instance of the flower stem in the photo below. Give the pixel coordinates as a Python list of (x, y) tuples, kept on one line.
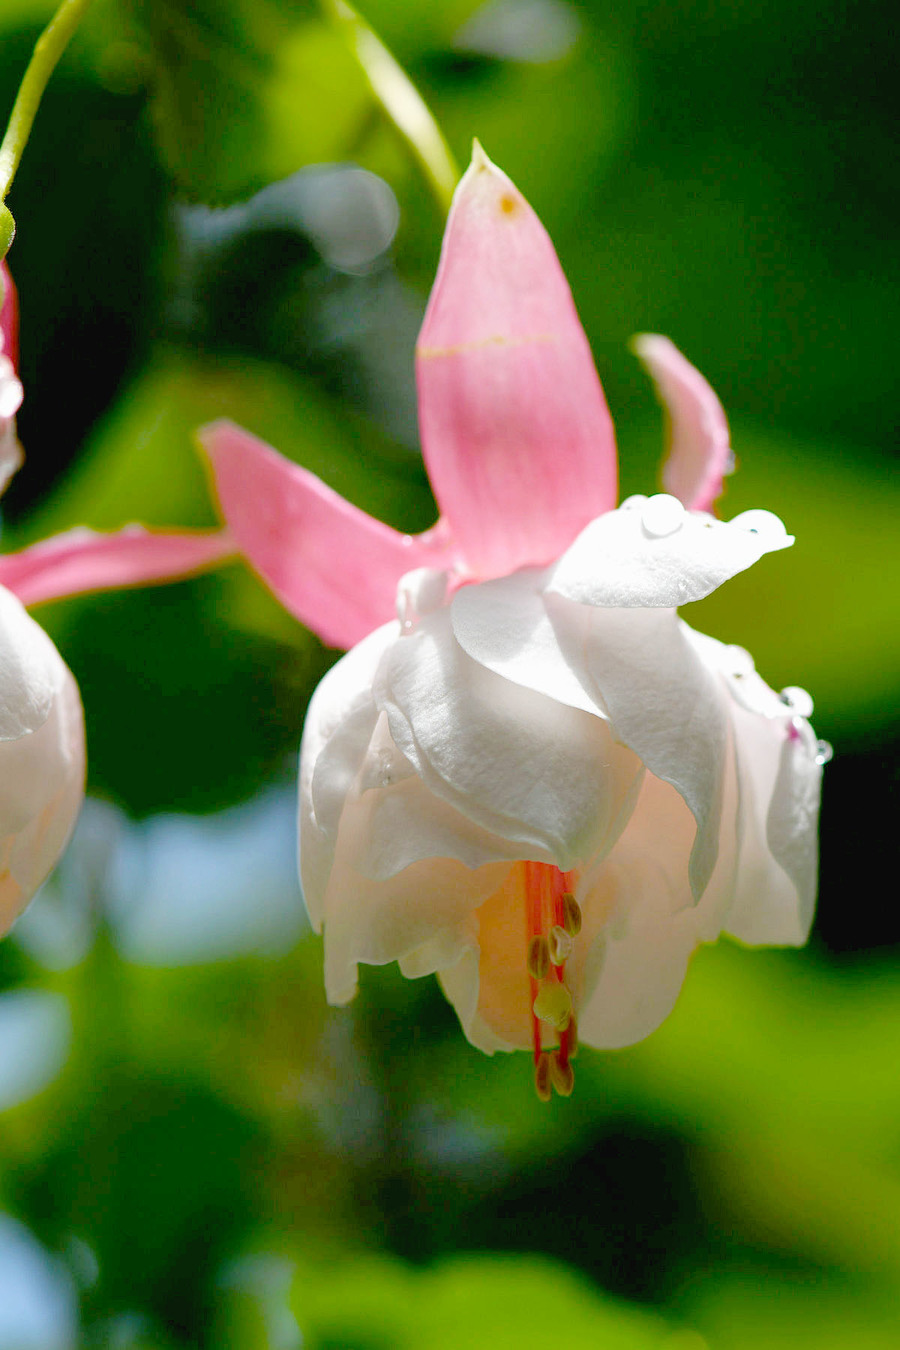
[(47, 51), (400, 100)]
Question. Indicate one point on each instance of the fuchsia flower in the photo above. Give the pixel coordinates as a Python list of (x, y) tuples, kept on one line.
[(537, 780), (42, 752)]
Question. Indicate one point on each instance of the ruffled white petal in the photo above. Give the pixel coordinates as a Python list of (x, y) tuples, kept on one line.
[(506, 626), (667, 707), (651, 552), (779, 782), (338, 728), (640, 925), (545, 776), (379, 921), (398, 821)]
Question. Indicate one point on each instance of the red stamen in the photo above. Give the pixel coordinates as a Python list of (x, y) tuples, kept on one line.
[(533, 928), (545, 887)]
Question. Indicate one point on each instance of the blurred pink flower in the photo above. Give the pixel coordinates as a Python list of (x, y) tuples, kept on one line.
[(42, 752), (536, 780)]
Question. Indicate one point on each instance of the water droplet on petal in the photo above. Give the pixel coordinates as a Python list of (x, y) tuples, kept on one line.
[(760, 522), (662, 515), (824, 752), (798, 700)]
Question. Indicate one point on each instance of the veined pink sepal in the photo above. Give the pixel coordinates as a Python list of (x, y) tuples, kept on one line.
[(335, 567), (516, 434), (699, 454), (84, 560)]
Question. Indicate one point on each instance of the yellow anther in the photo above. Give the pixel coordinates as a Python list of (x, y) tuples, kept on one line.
[(571, 914), (554, 1004), (542, 1078), (538, 959), (560, 945), (562, 1076)]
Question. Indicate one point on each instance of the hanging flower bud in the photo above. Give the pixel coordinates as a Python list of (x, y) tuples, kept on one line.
[(41, 756)]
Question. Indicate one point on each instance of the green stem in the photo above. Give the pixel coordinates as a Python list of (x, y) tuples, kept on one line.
[(48, 49), (401, 101)]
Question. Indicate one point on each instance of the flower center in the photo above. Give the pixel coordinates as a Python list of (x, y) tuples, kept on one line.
[(553, 921)]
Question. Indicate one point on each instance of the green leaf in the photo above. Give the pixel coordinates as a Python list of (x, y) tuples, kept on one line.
[(375, 1303)]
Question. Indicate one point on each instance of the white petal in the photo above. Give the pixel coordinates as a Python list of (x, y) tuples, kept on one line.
[(667, 707), (339, 725), (460, 983), (632, 557), (779, 782), (506, 626), (640, 926), (544, 776), (792, 833), (400, 821), (380, 921)]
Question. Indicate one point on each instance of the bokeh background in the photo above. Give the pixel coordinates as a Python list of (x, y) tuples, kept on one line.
[(217, 218)]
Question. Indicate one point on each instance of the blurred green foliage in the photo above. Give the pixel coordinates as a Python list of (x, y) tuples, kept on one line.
[(205, 1153)]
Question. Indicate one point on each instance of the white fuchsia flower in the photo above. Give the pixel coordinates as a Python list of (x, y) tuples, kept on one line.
[(42, 751), (537, 781)]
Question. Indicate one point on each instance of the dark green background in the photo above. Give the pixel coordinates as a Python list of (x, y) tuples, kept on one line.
[(217, 1159)]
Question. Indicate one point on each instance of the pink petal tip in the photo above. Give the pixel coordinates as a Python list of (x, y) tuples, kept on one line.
[(515, 430), (83, 560), (699, 454)]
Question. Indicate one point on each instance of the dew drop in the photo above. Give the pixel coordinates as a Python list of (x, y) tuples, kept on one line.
[(760, 522), (662, 515), (824, 752), (798, 700)]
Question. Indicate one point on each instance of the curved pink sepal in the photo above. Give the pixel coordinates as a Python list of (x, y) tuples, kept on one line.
[(332, 565), (699, 454), (515, 430), (9, 316), (84, 560)]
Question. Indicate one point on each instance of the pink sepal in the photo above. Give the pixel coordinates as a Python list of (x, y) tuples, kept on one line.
[(515, 430), (699, 454), (9, 316), (332, 565), (84, 560)]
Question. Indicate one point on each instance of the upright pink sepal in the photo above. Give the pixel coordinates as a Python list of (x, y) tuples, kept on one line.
[(699, 447), (9, 316), (83, 560), (516, 433), (333, 566)]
